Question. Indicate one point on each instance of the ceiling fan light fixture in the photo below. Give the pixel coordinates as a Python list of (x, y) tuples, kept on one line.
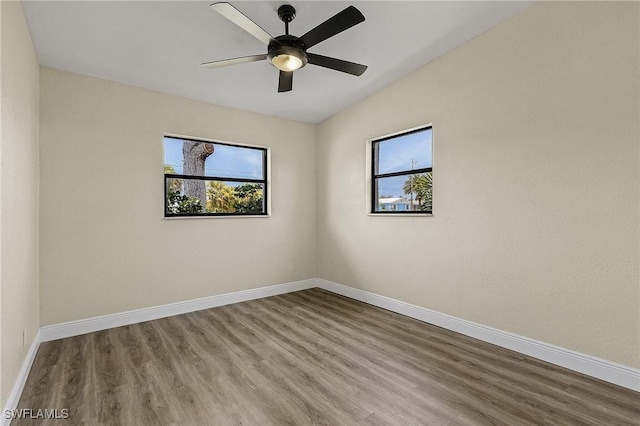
[(286, 53), (286, 62)]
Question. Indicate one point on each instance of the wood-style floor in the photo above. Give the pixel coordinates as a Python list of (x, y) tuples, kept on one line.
[(311, 357)]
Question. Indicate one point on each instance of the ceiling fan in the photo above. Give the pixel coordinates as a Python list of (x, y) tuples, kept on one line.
[(288, 52)]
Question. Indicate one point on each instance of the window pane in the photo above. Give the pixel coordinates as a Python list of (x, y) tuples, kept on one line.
[(405, 152), (235, 162), (185, 196), (404, 193), (195, 158), (193, 196), (235, 197)]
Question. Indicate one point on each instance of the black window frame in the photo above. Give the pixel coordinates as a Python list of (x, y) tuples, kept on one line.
[(376, 176), (264, 181)]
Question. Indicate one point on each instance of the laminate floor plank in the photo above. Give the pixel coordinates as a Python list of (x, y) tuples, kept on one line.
[(505, 379), (326, 358), (346, 357), (381, 354), (307, 358), (617, 406), (328, 386), (383, 361)]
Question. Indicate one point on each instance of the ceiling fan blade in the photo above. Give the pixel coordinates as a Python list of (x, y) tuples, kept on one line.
[(336, 64), (285, 82), (238, 18), (234, 61), (332, 26)]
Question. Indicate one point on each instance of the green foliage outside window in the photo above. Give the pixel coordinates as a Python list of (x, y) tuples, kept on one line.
[(177, 203), (422, 186)]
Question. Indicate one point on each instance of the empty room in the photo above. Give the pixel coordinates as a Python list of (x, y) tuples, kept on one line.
[(320, 213)]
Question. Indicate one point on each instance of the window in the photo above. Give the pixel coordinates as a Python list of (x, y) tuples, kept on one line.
[(402, 172), (208, 178)]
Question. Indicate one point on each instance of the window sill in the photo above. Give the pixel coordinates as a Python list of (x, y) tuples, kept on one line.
[(400, 214), (218, 217)]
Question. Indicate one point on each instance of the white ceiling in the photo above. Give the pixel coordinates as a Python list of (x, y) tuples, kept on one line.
[(159, 46)]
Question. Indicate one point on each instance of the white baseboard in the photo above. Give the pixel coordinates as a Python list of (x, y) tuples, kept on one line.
[(595, 367), (18, 386), (104, 322)]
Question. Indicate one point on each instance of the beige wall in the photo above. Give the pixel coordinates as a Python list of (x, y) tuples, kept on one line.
[(536, 145), (105, 247), (18, 192)]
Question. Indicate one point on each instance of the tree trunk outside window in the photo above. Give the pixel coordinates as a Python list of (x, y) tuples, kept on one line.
[(195, 154)]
